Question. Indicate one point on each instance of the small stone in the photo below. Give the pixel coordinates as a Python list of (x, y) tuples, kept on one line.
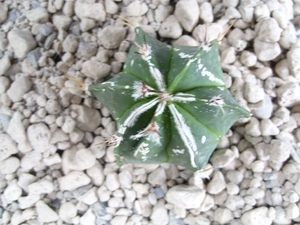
[(18, 88), (69, 125), (112, 36), (93, 11), (12, 192), (8, 146), (170, 28), (84, 159), (228, 56), (288, 94), (67, 210), (157, 177), (87, 24), (258, 166), (136, 8), (162, 12), (34, 56), (263, 73), (266, 51), (96, 174), (3, 12), (96, 70), (88, 218), (223, 215), (70, 44), (53, 107), (258, 216), (253, 128), (294, 62), (112, 181), (186, 40), (232, 13), (43, 186), (159, 214), (268, 128), (282, 68), (4, 84), (61, 21), (21, 41), (111, 7), (280, 151), (236, 39), (187, 13), (269, 31), (87, 119), (253, 93), (39, 136), (28, 201), (263, 109), (125, 178), (206, 12), (4, 64), (90, 197), (38, 15), (261, 12), (222, 158), (234, 176), (73, 180), (119, 220), (10, 165), (292, 211), (248, 58), (234, 202), (217, 183), (45, 213), (188, 197)]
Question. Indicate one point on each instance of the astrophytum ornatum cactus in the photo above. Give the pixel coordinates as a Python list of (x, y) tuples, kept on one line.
[(170, 104)]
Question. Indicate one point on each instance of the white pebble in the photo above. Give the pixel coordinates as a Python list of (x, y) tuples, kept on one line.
[(12, 192), (112, 36), (206, 12), (125, 178), (28, 201), (4, 64), (96, 174), (119, 220), (8, 146), (157, 177), (136, 8), (96, 70), (21, 41), (112, 182), (268, 128), (159, 214), (67, 210), (30, 160), (3, 12), (18, 88), (187, 197), (93, 11), (258, 166), (217, 183), (248, 58), (45, 213), (292, 211), (266, 51), (258, 216), (73, 180), (37, 15), (84, 159), (61, 21), (170, 28), (222, 158), (228, 56), (294, 62), (234, 202), (9, 165), (280, 151), (43, 186), (162, 12), (253, 93), (253, 128), (223, 215), (269, 30), (187, 13), (39, 136)]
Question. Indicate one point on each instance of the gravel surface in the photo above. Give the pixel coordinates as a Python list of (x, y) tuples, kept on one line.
[(53, 172)]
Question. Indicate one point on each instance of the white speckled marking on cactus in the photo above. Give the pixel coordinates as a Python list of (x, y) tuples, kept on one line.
[(210, 76), (184, 55), (185, 133), (143, 149), (203, 139), (151, 132), (178, 151)]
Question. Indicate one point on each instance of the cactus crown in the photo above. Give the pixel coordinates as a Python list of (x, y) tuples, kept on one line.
[(170, 104)]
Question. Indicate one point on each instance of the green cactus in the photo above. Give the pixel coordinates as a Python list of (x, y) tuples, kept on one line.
[(170, 104)]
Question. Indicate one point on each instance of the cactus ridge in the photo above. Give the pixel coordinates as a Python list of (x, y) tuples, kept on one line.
[(170, 104)]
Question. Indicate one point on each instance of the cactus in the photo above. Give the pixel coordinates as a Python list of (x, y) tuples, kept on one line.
[(170, 104)]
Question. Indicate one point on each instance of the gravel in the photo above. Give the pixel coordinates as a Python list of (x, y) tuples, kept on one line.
[(52, 168)]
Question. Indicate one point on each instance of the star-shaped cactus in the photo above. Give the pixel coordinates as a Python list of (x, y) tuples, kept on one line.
[(170, 104)]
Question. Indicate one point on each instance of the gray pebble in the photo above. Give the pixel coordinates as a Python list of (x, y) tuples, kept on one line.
[(86, 50), (45, 29), (33, 57), (70, 44), (4, 64), (18, 88), (112, 36), (3, 12)]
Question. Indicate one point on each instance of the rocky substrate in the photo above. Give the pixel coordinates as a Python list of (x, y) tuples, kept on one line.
[(53, 172)]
